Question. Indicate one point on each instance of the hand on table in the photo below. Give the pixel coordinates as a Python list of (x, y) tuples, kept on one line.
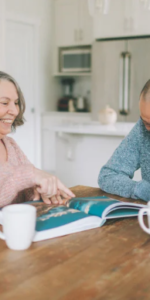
[(59, 198), (51, 188)]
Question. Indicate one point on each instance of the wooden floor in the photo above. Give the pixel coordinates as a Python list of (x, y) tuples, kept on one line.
[(111, 262)]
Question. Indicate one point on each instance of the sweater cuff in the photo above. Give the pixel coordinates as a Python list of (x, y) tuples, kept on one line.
[(142, 190)]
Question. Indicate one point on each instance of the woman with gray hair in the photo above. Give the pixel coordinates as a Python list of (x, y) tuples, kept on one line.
[(20, 181)]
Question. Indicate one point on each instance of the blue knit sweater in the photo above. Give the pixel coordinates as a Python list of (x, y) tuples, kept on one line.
[(133, 153)]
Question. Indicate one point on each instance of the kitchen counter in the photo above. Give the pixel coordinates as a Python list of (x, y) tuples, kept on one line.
[(77, 144), (94, 128)]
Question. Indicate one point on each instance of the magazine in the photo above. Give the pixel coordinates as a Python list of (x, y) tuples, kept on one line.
[(79, 214)]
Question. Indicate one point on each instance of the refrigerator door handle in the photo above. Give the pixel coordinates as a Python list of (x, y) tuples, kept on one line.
[(121, 83), (124, 87), (127, 82)]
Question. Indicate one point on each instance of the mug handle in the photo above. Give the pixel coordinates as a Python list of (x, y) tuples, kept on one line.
[(140, 218), (1, 222)]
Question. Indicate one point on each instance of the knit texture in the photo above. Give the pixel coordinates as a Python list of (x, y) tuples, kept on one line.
[(133, 153), (16, 175)]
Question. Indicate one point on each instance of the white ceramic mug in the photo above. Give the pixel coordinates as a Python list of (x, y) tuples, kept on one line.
[(18, 222), (141, 214)]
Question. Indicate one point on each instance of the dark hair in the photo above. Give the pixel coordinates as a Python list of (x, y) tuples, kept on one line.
[(146, 89), (20, 118)]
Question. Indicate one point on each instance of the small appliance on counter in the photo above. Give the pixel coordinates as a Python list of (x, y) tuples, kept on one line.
[(67, 102)]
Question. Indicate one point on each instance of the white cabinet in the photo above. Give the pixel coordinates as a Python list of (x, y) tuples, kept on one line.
[(124, 18), (75, 157), (73, 24), (86, 23), (141, 18), (2, 35), (48, 122), (106, 25), (66, 22)]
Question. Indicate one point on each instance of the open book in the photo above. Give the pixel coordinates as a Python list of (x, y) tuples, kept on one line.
[(79, 214)]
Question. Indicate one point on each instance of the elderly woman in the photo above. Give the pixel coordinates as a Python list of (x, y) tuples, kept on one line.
[(20, 181)]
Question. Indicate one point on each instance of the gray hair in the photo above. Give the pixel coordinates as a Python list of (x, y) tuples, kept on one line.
[(20, 118), (146, 90)]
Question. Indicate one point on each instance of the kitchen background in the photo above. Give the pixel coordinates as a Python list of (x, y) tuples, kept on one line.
[(81, 65)]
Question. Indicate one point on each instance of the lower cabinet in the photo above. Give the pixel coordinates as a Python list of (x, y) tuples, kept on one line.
[(79, 158), (76, 159)]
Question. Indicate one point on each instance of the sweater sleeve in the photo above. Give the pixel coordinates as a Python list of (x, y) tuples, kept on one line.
[(13, 180), (116, 177)]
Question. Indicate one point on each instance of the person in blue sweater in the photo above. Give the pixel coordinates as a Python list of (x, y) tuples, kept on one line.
[(116, 177)]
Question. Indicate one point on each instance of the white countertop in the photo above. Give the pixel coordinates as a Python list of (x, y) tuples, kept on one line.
[(94, 128)]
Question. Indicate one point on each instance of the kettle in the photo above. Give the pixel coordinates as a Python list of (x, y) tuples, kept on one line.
[(107, 115)]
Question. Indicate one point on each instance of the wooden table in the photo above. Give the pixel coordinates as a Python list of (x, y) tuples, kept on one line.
[(111, 262)]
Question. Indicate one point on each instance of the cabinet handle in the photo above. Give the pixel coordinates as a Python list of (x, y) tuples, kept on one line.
[(81, 35), (127, 82), (124, 87)]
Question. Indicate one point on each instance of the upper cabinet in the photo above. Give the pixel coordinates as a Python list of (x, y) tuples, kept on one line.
[(141, 18), (2, 35), (106, 25), (124, 18), (73, 24)]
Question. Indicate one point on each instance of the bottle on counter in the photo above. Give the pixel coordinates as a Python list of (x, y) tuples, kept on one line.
[(71, 107), (80, 104)]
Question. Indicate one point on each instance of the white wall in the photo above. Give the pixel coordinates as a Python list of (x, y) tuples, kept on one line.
[(42, 11), (2, 34)]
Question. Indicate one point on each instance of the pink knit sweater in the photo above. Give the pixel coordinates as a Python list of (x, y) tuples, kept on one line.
[(16, 175)]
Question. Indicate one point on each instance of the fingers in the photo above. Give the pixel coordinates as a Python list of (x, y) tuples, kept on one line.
[(56, 200), (36, 195), (53, 200), (45, 199), (63, 188), (52, 186), (48, 186), (64, 195)]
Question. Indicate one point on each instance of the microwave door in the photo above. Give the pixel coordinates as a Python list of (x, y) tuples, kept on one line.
[(106, 76), (76, 61)]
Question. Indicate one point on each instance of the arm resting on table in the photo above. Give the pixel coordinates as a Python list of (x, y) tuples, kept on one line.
[(116, 176)]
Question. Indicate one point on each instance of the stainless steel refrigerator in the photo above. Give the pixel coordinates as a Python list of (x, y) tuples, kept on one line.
[(120, 68)]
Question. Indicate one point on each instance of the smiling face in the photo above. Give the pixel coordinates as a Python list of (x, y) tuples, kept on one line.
[(9, 108)]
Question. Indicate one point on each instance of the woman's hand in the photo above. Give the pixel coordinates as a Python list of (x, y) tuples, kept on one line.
[(60, 198), (37, 195), (49, 186)]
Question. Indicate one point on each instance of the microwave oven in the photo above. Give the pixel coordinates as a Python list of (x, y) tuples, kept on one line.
[(75, 60)]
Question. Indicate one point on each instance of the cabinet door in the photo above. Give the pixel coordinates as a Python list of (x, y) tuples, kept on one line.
[(112, 23), (2, 35), (85, 24), (66, 22), (141, 18), (140, 73)]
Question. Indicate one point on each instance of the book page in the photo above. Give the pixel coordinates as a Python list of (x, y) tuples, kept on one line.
[(52, 216), (92, 205)]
